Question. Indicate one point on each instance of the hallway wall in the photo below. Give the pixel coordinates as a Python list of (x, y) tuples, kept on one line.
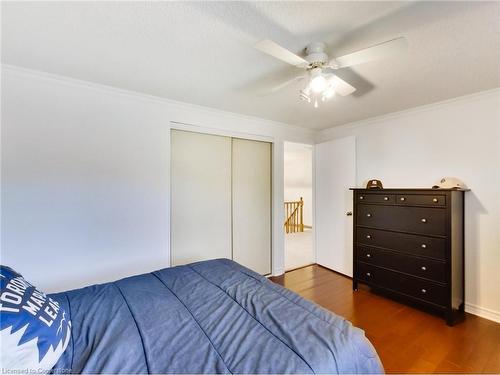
[(298, 176)]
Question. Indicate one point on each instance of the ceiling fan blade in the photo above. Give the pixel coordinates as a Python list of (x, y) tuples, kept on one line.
[(378, 51), (281, 53), (282, 85), (341, 87)]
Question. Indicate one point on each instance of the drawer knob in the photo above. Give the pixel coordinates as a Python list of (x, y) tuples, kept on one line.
[(402, 199), (368, 274), (423, 220), (423, 268), (368, 215), (435, 200), (368, 255), (424, 291), (368, 236), (361, 197), (423, 246), (386, 198)]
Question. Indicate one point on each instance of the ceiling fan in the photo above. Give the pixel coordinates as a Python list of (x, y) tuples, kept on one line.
[(323, 83)]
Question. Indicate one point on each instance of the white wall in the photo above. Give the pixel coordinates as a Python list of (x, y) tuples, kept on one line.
[(86, 177), (298, 176), (459, 138)]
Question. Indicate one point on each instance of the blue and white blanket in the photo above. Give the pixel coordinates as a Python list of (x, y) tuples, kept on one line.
[(208, 317)]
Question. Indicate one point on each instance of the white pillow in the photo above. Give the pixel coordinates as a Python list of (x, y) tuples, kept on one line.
[(34, 329)]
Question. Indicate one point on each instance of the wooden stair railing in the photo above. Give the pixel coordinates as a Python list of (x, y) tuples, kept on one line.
[(294, 213)]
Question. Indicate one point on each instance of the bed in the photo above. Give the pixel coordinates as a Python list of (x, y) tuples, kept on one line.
[(208, 317)]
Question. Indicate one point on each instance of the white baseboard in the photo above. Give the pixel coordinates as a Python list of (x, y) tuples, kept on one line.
[(483, 312), (278, 272)]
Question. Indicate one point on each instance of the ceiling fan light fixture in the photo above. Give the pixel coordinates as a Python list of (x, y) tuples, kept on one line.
[(318, 84), (304, 95), (322, 86)]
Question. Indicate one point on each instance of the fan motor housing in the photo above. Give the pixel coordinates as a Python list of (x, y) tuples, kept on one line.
[(315, 53)]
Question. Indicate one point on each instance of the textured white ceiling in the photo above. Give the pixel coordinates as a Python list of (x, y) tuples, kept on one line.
[(201, 52)]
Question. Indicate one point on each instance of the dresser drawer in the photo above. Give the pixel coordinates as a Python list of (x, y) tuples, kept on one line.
[(402, 242), (407, 219), (376, 198), (421, 200), (421, 267), (408, 285)]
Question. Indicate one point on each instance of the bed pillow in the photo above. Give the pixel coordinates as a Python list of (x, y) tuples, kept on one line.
[(34, 329)]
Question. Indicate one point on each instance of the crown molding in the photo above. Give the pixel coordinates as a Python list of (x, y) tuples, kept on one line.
[(320, 135), (323, 134), (74, 82)]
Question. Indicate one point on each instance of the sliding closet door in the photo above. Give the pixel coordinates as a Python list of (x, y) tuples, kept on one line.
[(201, 197), (251, 166)]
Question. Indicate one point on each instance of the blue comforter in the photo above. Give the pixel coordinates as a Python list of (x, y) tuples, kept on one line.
[(208, 317)]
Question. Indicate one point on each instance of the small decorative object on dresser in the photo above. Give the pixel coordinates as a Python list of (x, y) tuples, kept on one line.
[(409, 244), (374, 184), (450, 183)]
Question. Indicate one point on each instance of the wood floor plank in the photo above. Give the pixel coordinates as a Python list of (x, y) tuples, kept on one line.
[(407, 340), (493, 363)]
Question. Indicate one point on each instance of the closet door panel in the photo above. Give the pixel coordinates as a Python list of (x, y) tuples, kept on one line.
[(200, 197), (251, 182)]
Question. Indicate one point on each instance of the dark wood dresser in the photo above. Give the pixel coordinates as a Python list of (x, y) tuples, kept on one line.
[(409, 245)]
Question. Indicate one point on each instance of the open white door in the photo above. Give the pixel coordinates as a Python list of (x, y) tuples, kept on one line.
[(335, 170)]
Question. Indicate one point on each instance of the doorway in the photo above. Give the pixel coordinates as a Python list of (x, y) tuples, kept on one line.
[(298, 205)]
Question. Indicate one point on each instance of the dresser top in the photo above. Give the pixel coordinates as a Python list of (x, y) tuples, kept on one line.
[(406, 189)]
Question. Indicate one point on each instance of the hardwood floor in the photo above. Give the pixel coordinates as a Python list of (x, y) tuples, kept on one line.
[(407, 340)]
